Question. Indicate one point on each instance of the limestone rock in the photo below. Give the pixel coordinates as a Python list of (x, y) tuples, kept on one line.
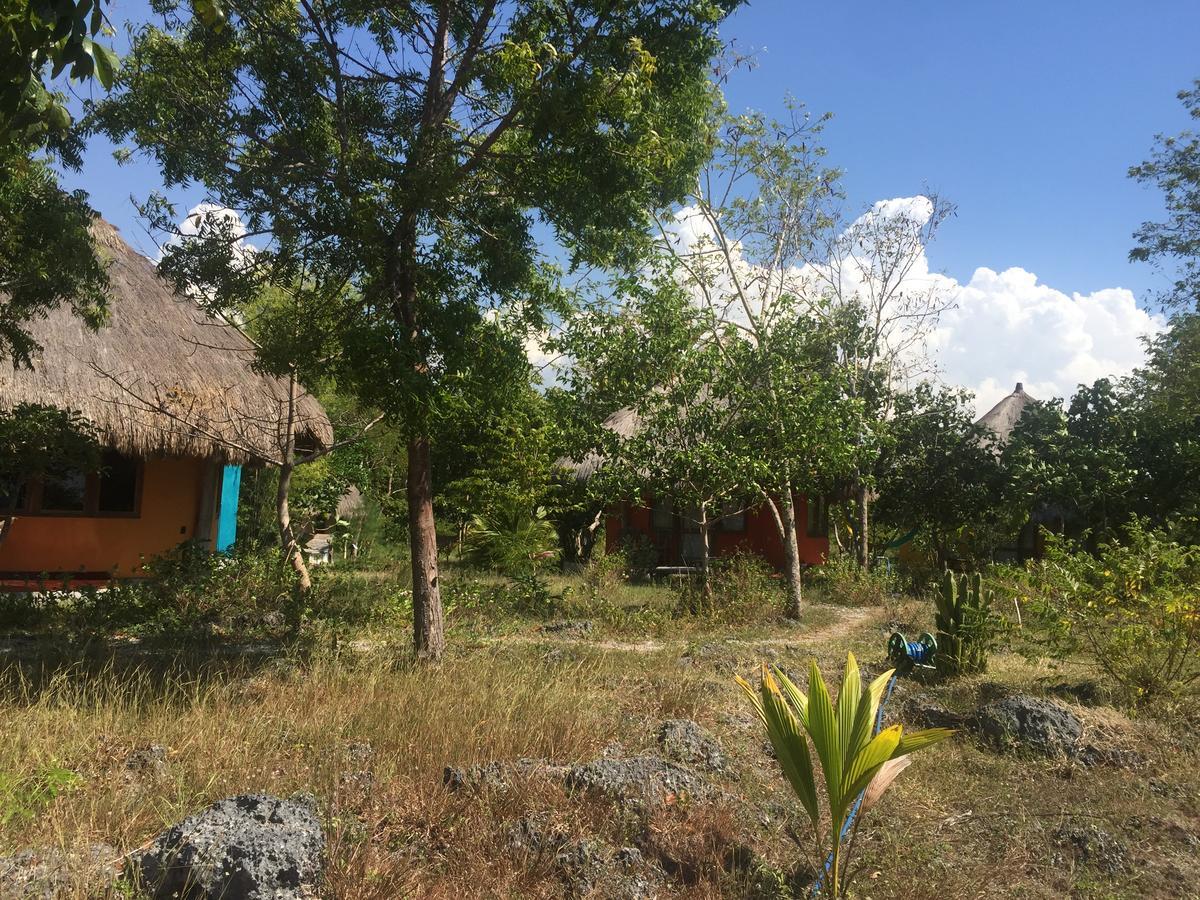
[(249, 847)]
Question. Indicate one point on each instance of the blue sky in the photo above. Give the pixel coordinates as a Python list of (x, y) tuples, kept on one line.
[(1026, 115)]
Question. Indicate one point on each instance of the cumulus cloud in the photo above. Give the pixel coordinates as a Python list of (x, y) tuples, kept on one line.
[(1005, 327), (1008, 327)]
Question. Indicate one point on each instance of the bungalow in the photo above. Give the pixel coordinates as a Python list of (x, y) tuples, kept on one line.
[(673, 531), (178, 410)]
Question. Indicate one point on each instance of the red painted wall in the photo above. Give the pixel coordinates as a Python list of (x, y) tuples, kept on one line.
[(759, 536)]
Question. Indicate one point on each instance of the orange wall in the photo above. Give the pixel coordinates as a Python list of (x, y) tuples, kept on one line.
[(52, 544), (760, 535)]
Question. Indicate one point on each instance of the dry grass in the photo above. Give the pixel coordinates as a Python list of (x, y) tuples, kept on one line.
[(962, 822)]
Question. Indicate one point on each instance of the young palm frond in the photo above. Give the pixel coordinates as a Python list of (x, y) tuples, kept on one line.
[(853, 759)]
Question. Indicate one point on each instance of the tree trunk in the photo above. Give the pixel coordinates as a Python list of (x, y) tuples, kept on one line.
[(705, 550), (864, 544), (429, 639), (283, 516), (791, 554), (287, 536), (5, 527)]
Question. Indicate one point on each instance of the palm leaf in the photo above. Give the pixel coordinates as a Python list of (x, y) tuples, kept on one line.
[(883, 779), (822, 727), (791, 747), (919, 740), (866, 763)]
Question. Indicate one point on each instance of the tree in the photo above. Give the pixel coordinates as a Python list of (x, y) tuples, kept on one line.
[(409, 149), (1174, 168), (47, 258), (743, 247), (871, 288), (36, 35), (938, 475)]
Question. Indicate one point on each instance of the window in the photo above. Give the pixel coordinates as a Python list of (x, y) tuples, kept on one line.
[(12, 495), (115, 490), (733, 516), (818, 516), (64, 491), (662, 515), (118, 488)]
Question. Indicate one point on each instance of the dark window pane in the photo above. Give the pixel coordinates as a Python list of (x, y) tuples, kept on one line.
[(118, 484), (733, 517), (64, 491), (12, 495), (663, 514), (818, 517)]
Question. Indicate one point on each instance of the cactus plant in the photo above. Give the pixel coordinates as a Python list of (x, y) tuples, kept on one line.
[(965, 625)]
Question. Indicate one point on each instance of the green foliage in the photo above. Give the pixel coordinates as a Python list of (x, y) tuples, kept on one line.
[(47, 257), (741, 589), (852, 759), (512, 539), (497, 455), (36, 35), (1132, 609), (36, 439), (938, 475), (23, 798), (843, 582), (1174, 168), (966, 624)]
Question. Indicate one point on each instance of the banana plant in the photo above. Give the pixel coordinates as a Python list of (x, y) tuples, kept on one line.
[(853, 759)]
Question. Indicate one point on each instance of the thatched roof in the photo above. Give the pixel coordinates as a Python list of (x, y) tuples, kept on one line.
[(624, 423), (162, 376), (1002, 418)]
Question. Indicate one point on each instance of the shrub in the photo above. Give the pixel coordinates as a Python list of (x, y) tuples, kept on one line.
[(512, 540), (1132, 609), (844, 582), (741, 588)]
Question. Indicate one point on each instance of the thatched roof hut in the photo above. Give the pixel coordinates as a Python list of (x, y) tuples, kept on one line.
[(624, 423), (162, 377), (1002, 418)]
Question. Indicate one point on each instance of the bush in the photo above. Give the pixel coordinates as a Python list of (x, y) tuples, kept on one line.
[(741, 588), (1132, 609), (512, 540), (843, 581)]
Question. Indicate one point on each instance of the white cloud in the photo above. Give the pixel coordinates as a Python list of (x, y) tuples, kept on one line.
[(1008, 327)]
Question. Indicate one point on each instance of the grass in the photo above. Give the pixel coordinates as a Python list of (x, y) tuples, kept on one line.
[(963, 821)]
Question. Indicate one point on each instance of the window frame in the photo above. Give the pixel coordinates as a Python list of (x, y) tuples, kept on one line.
[(91, 499)]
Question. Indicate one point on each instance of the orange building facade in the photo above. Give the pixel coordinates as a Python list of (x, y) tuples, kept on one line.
[(167, 500), (676, 537)]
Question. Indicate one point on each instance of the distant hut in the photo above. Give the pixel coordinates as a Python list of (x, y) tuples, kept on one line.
[(178, 410), (1002, 420), (672, 532)]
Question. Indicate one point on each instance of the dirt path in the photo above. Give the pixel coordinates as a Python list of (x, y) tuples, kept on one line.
[(848, 620)]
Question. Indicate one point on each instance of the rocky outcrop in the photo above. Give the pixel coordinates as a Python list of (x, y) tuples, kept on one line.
[(249, 847), (49, 873), (1030, 724), (683, 741), (639, 781)]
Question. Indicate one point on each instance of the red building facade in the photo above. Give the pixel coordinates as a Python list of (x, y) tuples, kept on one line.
[(676, 536)]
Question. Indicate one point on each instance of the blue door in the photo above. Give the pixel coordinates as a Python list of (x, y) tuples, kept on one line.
[(231, 483)]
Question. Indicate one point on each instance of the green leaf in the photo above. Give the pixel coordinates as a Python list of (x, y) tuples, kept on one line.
[(106, 65), (919, 740)]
